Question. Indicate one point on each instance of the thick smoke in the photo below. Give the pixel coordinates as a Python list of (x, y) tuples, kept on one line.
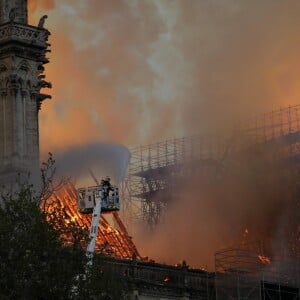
[(101, 159), (253, 202), (138, 71), (133, 72)]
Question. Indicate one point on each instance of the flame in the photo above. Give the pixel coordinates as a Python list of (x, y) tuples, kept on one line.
[(264, 259), (110, 240), (245, 233)]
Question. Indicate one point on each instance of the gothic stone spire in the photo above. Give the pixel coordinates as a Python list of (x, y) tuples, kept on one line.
[(23, 50)]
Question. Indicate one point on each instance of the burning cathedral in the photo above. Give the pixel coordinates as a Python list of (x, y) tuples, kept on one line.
[(23, 54)]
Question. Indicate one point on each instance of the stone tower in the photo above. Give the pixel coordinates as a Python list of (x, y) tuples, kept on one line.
[(23, 50)]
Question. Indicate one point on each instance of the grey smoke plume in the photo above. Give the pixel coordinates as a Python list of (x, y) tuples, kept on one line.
[(103, 159), (255, 192), (171, 68), (159, 69)]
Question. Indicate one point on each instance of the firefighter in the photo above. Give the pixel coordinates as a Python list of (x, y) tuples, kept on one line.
[(106, 186), (106, 181)]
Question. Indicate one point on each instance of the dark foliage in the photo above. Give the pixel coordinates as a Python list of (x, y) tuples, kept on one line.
[(42, 254)]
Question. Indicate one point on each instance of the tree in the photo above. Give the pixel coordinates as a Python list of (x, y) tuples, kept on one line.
[(34, 262), (42, 254)]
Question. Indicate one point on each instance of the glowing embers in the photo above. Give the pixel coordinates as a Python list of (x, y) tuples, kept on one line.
[(264, 259), (111, 240)]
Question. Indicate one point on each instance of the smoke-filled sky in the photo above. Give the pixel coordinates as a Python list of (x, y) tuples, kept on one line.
[(138, 71)]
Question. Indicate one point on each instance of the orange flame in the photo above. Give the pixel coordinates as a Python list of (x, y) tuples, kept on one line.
[(246, 232), (110, 240), (264, 259)]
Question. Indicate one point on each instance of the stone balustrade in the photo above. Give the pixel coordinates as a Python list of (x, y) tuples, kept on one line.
[(24, 33)]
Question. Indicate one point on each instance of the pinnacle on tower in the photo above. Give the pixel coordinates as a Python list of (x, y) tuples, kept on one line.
[(23, 50), (13, 11)]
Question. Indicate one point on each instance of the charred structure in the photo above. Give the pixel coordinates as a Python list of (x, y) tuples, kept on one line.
[(253, 174), (260, 159), (158, 171), (242, 274), (265, 148), (112, 239)]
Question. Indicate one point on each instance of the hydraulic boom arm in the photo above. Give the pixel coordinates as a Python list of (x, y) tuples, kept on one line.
[(94, 231)]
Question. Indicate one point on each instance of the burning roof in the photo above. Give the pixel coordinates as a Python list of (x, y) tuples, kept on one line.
[(112, 240)]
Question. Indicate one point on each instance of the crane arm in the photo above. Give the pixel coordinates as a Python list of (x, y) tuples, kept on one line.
[(93, 232)]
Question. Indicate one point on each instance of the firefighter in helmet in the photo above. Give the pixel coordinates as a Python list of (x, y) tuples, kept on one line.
[(106, 185)]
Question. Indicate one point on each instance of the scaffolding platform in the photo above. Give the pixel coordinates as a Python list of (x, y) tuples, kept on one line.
[(156, 170)]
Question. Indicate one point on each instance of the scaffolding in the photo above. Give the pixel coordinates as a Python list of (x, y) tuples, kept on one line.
[(243, 274), (156, 170), (271, 126)]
